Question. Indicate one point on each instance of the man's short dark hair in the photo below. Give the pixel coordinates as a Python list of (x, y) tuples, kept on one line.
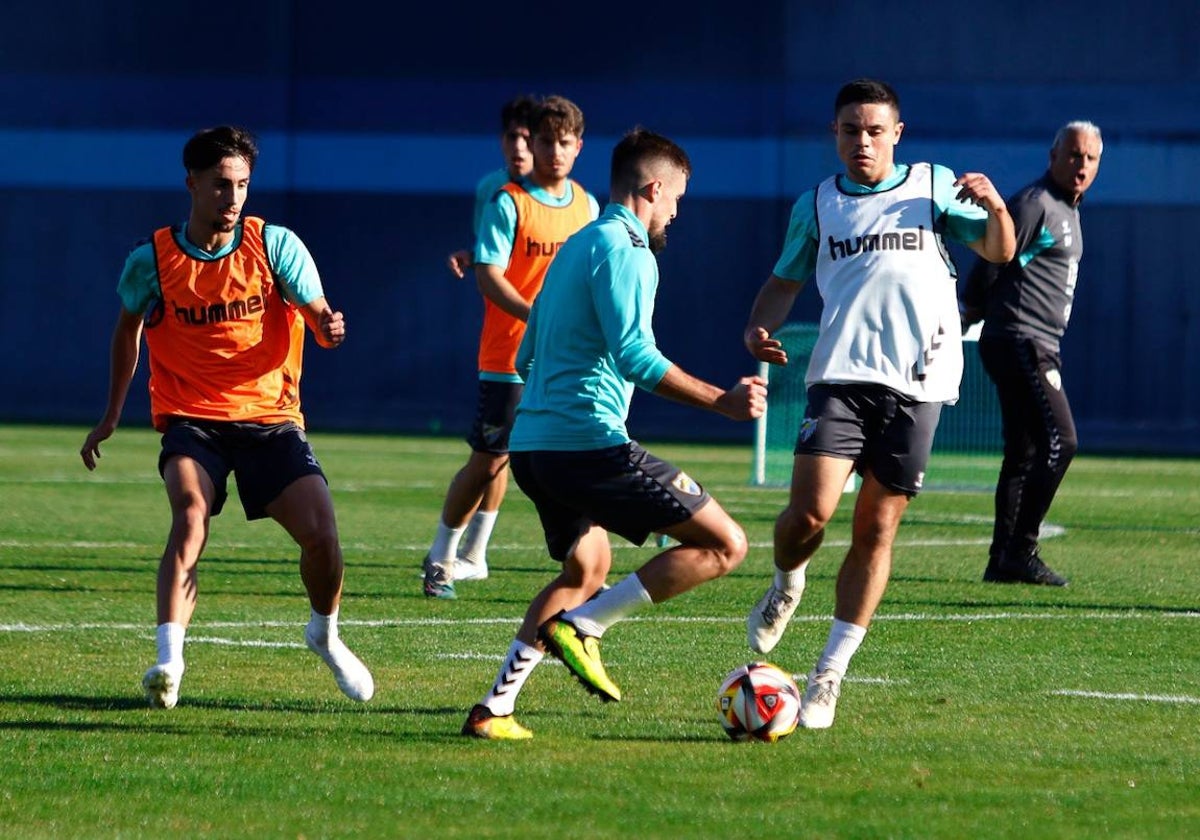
[(518, 110), (866, 92), (210, 146), (638, 152)]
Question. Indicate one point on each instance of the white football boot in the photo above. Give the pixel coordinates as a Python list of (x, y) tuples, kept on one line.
[(769, 618), (162, 685), (820, 700)]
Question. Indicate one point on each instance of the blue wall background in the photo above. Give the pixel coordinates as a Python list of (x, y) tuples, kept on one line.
[(375, 127)]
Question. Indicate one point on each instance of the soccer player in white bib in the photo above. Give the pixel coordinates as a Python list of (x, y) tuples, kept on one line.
[(887, 357)]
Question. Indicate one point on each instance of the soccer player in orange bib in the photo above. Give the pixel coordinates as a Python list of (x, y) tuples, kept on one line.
[(223, 302), (519, 233)]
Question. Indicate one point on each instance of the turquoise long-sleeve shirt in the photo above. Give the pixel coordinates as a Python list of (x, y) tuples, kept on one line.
[(589, 340)]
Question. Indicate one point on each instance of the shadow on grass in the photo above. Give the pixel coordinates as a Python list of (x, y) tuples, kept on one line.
[(665, 739), (405, 724), (1038, 600)]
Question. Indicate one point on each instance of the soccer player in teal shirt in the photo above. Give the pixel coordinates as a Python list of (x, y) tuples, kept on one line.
[(588, 344)]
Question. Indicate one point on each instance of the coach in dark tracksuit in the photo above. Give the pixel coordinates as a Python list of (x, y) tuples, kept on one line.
[(1025, 305)]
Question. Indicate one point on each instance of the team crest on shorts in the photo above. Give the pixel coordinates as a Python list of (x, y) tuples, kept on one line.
[(684, 484), (807, 426), (491, 433)]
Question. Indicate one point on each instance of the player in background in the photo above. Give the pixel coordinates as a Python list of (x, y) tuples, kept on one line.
[(515, 116), (887, 356), (589, 344), (522, 227), (1025, 305), (223, 302), (518, 162)]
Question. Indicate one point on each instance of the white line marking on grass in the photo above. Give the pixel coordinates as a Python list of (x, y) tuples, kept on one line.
[(66, 544), (1132, 615), (216, 640), (1149, 698)]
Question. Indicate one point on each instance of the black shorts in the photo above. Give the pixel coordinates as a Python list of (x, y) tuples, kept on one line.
[(881, 430), (494, 413), (623, 489), (264, 458)]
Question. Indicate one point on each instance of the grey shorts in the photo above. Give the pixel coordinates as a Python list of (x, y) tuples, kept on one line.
[(623, 489), (881, 430), (264, 458)]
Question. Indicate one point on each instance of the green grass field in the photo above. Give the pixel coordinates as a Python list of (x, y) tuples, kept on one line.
[(972, 710)]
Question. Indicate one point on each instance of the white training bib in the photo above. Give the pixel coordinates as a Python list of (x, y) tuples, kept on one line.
[(890, 313)]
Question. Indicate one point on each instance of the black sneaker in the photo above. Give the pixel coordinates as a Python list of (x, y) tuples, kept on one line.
[(1030, 570)]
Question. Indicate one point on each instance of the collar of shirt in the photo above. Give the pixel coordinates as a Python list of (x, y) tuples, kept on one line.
[(624, 214), (899, 173)]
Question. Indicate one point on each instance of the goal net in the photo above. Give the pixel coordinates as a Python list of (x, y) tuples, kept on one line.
[(966, 450)]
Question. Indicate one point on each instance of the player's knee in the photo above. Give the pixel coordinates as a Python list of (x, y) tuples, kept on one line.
[(585, 573), (485, 467), (320, 542), (189, 518), (796, 526), (733, 548)]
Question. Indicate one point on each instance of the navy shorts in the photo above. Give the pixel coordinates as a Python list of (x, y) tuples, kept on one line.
[(881, 430), (494, 413), (623, 489), (264, 458)]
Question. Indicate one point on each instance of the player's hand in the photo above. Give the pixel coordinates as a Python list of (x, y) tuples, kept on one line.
[(90, 451), (977, 188), (459, 262), (747, 400), (764, 348), (333, 328)]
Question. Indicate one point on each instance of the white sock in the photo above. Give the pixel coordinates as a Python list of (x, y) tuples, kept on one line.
[(844, 639), (169, 638), (593, 617), (518, 665), (322, 628), (478, 533), (790, 582), (445, 544)]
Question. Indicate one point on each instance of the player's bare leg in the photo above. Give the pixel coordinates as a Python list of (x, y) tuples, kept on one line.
[(305, 510), (190, 493)]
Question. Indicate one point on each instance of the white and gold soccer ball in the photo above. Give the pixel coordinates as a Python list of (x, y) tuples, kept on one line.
[(758, 701)]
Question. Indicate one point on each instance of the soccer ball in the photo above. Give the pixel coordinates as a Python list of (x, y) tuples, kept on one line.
[(759, 701)]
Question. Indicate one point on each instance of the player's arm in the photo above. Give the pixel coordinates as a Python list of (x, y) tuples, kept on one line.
[(300, 284), (746, 400), (493, 250), (623, 298), (126, 343), (771, 307), (999, 242), (327, 325), (798, 259), (494, 286)]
